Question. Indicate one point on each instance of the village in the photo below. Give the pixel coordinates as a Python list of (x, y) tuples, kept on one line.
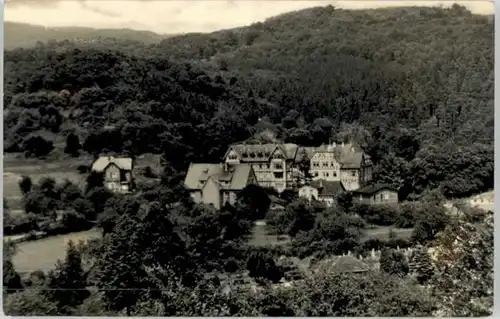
[(310, 160), (330, 170)]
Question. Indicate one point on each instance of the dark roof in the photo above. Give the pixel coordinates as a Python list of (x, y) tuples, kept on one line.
[(372, 189), (327, 188), (263, 152), (235, 178)]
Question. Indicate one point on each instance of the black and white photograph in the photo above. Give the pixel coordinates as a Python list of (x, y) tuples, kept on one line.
[(248, 158)]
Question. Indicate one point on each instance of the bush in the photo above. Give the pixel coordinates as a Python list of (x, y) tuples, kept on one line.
[(408, 215), (430, 223), (261, 265), (73, 145), (83, 169), (19, 224), (148, 172), (25, 184), (380, 215), (36, 146)]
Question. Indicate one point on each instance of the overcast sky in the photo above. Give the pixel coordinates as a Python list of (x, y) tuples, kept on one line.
[(170, 16)]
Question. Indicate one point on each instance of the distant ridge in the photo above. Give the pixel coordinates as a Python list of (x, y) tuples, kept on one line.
[(27, 35)]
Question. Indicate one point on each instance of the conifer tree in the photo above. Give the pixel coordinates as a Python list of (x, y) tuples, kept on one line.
[(120, 272), (67, 283), (421, 265)]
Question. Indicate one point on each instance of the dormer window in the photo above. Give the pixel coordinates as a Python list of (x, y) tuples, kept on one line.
[(252, 155), (260, 154), (233, 157), (267, 154), (245, 154)]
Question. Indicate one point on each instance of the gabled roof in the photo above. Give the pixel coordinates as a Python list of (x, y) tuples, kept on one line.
[(124, 163), (372, 189), (235, 178), (262, 152), (349, 155), (304, 152), (328, 188)]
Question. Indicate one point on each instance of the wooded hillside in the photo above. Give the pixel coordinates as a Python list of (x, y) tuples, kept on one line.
[(413, 86)]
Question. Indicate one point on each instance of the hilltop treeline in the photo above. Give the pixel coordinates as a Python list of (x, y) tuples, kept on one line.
[(413, 86)]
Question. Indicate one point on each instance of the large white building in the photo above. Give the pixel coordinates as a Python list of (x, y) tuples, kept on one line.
[(277, 165), (346, 163), (273, 164)]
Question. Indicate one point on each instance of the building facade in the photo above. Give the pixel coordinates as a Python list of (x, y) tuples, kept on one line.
[(376, 194), (218, 184), (117, 173), (273, 164), (322, 190), (346, 163), (280, 166)]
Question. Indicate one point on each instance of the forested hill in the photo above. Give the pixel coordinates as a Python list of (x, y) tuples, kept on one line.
[(27, 35), (413, 86)]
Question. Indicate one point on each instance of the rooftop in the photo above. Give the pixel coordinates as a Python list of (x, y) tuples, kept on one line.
[(328, 188), (372, 189), (234, 178), (124, 163)]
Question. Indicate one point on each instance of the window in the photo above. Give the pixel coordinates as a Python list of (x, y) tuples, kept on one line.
[(334, 174), (278, 166), (386, 196), (332, 164), (278, 175), (315, 164), (316, 174), (353, 173), (327, 174), (233, 157), (325, 164)]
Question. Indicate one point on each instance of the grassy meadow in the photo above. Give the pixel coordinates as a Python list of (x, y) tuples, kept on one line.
[(43, 254)]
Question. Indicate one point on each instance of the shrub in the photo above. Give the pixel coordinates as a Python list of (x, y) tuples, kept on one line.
[(261, 265), (408, 215), (25, 184), (83, 169), (381, 215), (73, 145), (36, 146), (148, 172)]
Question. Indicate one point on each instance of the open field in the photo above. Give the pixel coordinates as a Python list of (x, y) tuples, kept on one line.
[(14, 168), (43, 254), (60, 170)]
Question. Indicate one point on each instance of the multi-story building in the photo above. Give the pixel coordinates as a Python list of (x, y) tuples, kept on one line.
[(279, 165), (273, 164), (117, 172), (345, 162), (218, 184)]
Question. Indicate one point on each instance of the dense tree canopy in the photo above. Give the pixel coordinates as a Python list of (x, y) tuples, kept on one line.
[(410, 85)]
